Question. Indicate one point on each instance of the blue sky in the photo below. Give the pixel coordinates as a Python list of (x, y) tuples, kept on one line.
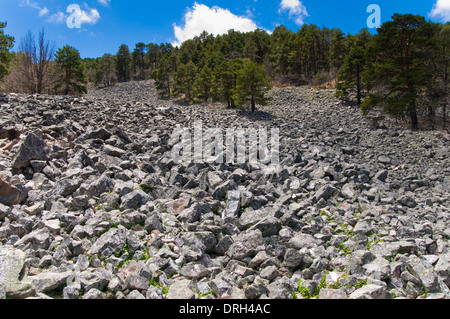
[(96, 27)]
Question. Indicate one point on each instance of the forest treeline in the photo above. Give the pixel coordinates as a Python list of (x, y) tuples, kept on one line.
[(402, 70)]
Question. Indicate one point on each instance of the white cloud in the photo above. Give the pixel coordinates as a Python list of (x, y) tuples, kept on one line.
[(441, 9), (295, 9), (27, 3), (43, 12), (213, 20), (58, 17), (104, 2), (91, 16), (75, 16)]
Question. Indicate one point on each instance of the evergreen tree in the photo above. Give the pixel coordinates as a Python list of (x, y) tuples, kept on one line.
[(123, 63), (398, 73), (163, 75), (252, 85), (106, 71), (281, 45), (441, 58), (203, 83), (73, 78), (138, 59), (224, 83), (338, 49), (350, 74), (185, 79), (6, 43)]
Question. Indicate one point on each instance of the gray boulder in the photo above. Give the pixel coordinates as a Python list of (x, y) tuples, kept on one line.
[(32, 148), (111, 242), (12, 262)]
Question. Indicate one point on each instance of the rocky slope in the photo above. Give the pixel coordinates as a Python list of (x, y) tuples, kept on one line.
[(93, 206)]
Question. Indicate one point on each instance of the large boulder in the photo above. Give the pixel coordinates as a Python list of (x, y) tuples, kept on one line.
[(32, 148), (9, 194), (12, 262)]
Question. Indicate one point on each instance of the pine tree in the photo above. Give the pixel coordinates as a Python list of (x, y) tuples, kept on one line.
[(6, 43), (351, 72), (252, 85), (138, 59), (223, 83), (185, 79), (338, 49), (73, 78), (441, 63), (106, 72), (123, 63), (164, 74), (281, 45), (203, 83), (398, 73)]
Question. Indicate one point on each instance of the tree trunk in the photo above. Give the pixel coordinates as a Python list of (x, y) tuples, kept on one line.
[(414, 120), (253, 104), (412, 108), (358, 84), (431, 116), (444, 105)]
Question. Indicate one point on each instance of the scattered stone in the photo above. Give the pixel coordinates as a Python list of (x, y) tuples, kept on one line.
[(12, 263), (182, 289), (247, 244), (9, 194), (370, 292), (93, 206), (31, 148), (48, 281)]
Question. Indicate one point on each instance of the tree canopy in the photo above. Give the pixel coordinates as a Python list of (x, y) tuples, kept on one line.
[(6, 43)]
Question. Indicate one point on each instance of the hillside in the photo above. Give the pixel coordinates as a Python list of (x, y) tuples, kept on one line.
[(93, 206)]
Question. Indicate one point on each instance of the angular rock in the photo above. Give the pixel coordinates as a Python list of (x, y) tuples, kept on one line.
[(425, 272), (247, 244), (325, 192), (176, 206), (220, 286), (300, 241), (194, 271), (328, 293), (12, 262), (32, 148), (100, 186), (292, 258), (370, 292), (382, 175), (407, 201), (134, 200), (39, 239), (191, 214), (135, 275), (94, 294), (94, 279), (223, 245), (379, 268), (199, 241), (67, 186), (442, 268), (233, 205), (281, 289), (48, 281), (9, 194), (183, 289), (113, 151), (269, 273), (111, 242), (359, 258)]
